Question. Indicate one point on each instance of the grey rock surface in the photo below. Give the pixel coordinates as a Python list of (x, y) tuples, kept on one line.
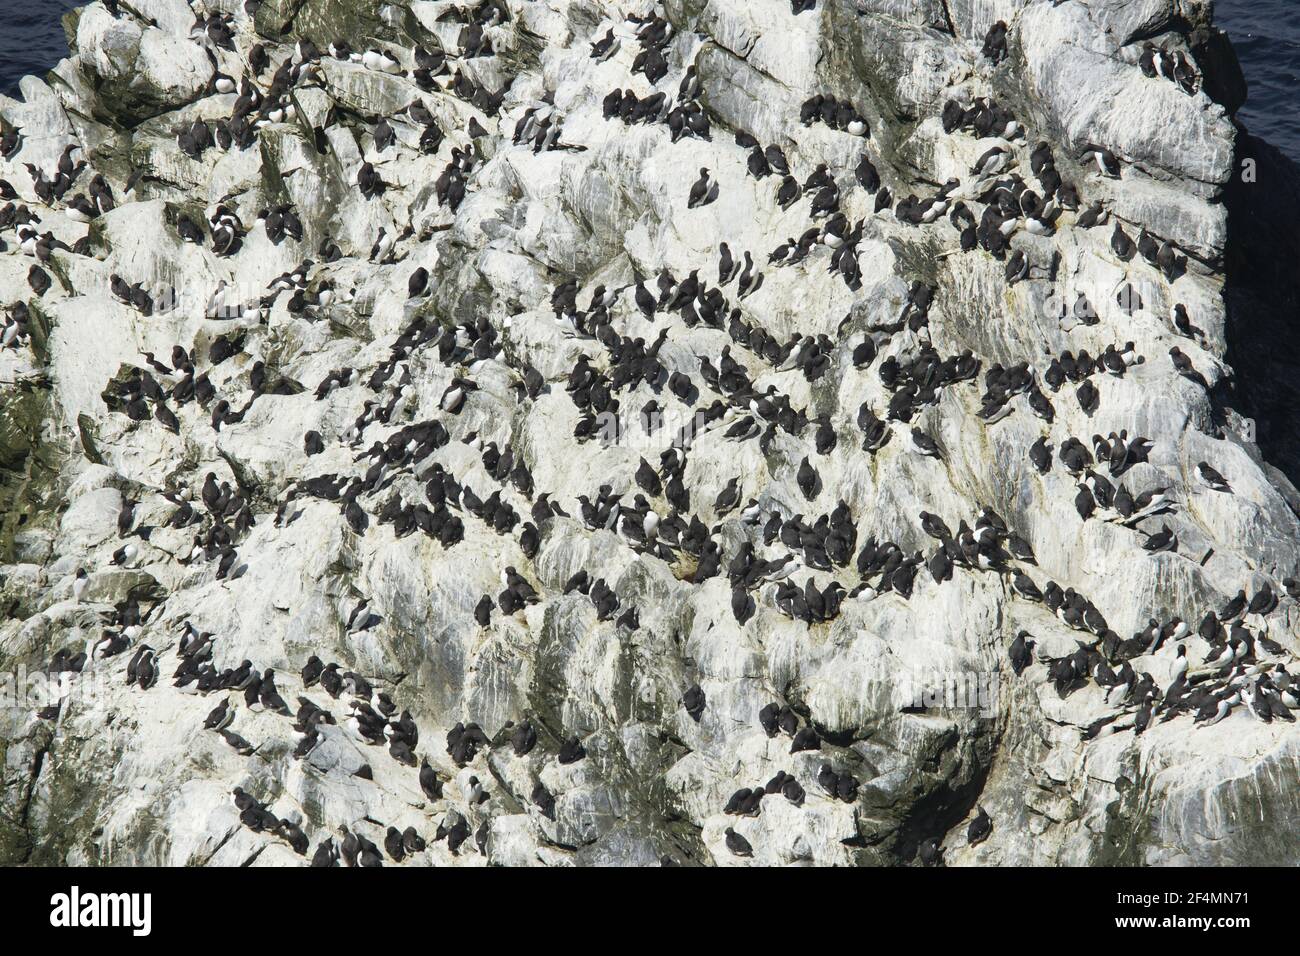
[(1094, 752)]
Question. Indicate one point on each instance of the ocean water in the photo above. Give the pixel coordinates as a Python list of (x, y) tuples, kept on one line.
[(1266, 34), (31, 39)]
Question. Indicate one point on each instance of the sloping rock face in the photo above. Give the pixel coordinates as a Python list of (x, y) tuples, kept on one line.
[(821, 550)]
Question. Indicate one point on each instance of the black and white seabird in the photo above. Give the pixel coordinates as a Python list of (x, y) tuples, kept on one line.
[(1211, 478), (704, 191), (979, 828)]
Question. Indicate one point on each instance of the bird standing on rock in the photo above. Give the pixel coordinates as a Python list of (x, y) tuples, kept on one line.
[(703, 192)]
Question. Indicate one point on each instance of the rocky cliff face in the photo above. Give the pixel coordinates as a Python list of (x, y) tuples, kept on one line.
[(901, 503)]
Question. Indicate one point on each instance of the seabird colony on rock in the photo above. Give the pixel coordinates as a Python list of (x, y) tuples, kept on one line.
[(806, 566)]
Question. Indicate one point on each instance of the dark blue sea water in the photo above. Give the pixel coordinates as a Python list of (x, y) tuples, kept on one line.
[(1266, 34), (31, 38)]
